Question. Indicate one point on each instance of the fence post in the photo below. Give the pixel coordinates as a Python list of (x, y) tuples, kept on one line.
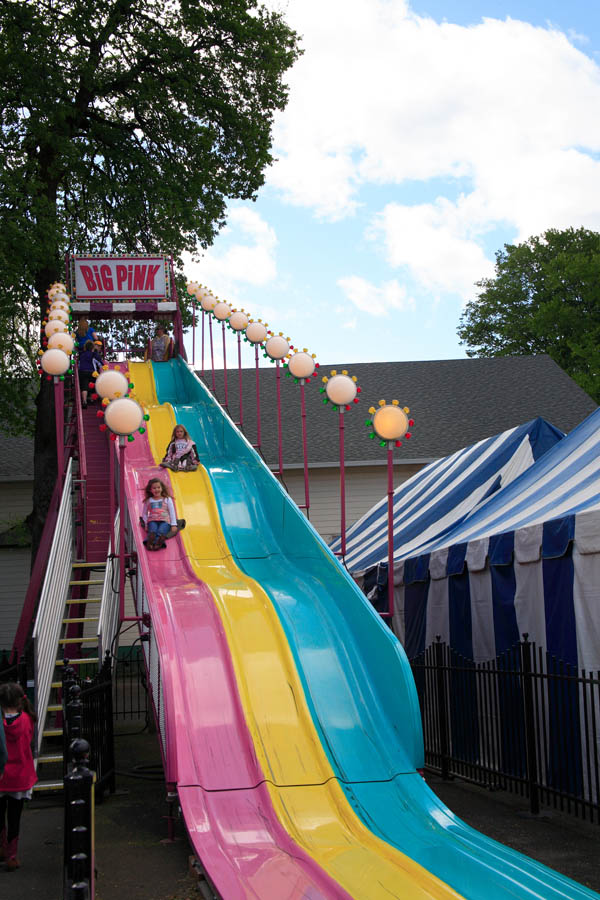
[(440, 675), (78, 878), (527, 682)]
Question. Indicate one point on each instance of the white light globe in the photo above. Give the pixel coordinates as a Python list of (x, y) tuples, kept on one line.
[(123, 416), (221, 311), (207, 301), (256, 332), (192, 287), (111, 384), (238, 320), (55, 326), (301, 365), (62, 342), (340, 390), (55, 362), (61, 295), (390, 423), (277, 347), (61, 314), (59, 304)]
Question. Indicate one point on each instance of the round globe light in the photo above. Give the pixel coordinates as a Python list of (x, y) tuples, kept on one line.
[(61, 295), (207, 301), (192, 287), (390, 423), (340, 390), (55, 362), (55, 326), (59, 304), (301, 365), (111, 384), (62, 342), (57, 286), (61, 314), (221, 311), (238, 320), (123, 416), (277, 347), (256, 332)]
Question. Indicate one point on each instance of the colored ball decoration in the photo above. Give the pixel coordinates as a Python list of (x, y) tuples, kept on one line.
[(192, 287), (55, 326), (207, 300), (60, 314), (123, 416), (238, 320), (221, 311), (341, 389), (111, 385), (390, 423)]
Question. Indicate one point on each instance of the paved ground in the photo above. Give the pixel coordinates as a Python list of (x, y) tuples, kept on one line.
[(135, 862)]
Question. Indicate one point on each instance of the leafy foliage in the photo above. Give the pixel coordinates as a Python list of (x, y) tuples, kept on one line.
[(543, 299)]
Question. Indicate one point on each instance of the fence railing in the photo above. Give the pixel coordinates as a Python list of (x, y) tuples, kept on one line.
[(526, 722)]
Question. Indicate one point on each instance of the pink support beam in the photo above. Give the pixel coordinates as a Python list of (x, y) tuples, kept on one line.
[(203, 318), (304, 453), (279, 422), (342, 487), (239, 349), (59, 415), (212, 355), (390, 499), (257, 398), (225, 368), (194, 331), (122, 515)]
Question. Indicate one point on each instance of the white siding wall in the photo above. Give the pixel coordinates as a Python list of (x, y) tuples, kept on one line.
[(14, 563), (365, 486)]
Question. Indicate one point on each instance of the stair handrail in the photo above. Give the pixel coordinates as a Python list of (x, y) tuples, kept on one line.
[(53, 598), (108, 621)]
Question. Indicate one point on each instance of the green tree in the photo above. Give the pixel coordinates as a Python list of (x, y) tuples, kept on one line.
[(544, 298), (126, 125)]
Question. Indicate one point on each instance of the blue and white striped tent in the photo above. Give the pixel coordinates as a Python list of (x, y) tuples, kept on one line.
[(526, 559), (441, 495)]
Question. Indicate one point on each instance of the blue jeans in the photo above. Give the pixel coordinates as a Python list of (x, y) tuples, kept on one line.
[(158, 528)]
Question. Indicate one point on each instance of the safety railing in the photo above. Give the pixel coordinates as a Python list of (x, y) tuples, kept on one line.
[(108, 623), (55, 592)]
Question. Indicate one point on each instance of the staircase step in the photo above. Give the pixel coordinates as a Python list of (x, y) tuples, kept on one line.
[(90, 581), (56, 684), (47, 786), (79, 640), (55, 707), (52, 732), (49, 758), (79, 662), (88, 565), (80, 620), (84, 600)]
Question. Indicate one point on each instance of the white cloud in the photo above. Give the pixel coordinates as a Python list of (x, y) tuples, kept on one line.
[(383, 96), (376, 301), (247, 258)]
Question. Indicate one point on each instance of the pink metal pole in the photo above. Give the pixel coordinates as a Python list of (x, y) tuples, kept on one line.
[(257, 398), (279, 424), (390, 495), (111, 495), (194, 332), (121, 527), (342, 487), (59, 416), (239, 340), (212, 355), (304, 453), (203, 318), (225, 368)]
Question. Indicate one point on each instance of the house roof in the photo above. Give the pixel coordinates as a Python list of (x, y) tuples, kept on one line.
[(16, 458), (454, 402)]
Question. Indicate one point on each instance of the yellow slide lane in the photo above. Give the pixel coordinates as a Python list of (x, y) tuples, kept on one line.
[(304, 790)]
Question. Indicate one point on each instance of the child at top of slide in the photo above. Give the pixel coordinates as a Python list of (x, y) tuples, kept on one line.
[(181, 455), (158, 514)]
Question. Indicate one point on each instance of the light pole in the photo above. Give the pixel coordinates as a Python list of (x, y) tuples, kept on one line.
[(238, 322), (222, 311), (341, 391), (56, 363), (276, 348), (256, 333), (390, 424), (302, 366)]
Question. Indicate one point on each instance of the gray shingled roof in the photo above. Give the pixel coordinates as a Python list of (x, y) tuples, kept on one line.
[(454, 402), (16, 458)]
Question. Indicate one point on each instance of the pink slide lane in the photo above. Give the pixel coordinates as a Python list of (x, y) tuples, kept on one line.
[(209, 751)]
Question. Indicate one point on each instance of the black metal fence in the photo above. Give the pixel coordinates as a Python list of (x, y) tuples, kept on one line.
[(524, 722)]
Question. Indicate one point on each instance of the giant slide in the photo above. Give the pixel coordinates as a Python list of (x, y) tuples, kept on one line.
[(290, 715)]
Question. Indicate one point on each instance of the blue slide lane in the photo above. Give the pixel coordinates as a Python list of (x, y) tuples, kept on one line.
[(356, 678)]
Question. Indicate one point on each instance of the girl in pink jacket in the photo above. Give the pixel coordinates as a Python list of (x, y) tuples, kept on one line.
[(19, 773)]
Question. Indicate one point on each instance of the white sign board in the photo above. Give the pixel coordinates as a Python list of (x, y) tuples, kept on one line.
[(108, 278)]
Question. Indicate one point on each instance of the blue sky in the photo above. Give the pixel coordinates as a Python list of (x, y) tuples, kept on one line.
[(418, 139)]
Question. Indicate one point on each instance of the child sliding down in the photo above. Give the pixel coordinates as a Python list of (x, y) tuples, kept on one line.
[(181, 455), (158, 514)]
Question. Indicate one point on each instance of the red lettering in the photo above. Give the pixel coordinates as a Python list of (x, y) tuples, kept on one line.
[(139, 275), (107, 282), (121, 276), (88, 277), (152, 270)]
